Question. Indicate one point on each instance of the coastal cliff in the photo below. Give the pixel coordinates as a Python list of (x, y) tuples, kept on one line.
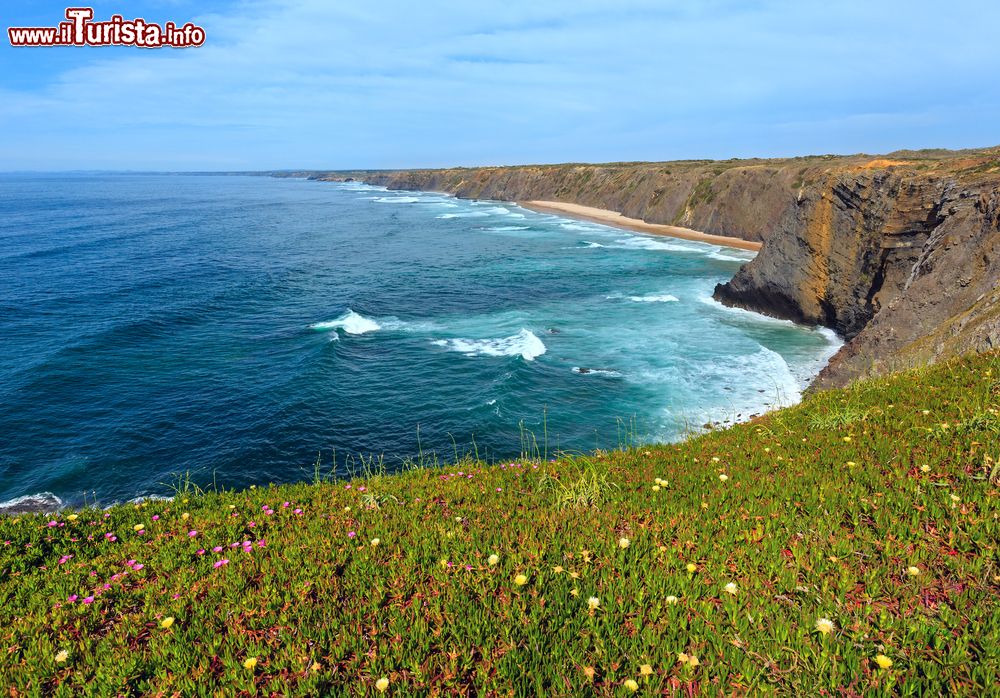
[(900, 254)]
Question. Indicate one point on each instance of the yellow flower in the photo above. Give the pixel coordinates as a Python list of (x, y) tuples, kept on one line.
[(824, 626), (443, 562), (574, 592), (574, 575), (692, 568), (520, 580), (250, 663), (138, 527), (912, 571), (671, 600), (925, 468), (316, 666), (593, 602), (715, 459), (851, 464), (645, 670), (167, 622), (723, 477), (382, 685), (62, 656), (847, 439), (631, 686), (589, 672), (72, 517), (683, 658), (558, 569), (185, 516), (883, 661), (376, 541), (624, 542), (232, 506), (693, 661), (656, 488), (730, 589), (493, 560)]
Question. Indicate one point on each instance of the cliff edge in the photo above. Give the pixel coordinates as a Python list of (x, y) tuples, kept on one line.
[(900, 254)]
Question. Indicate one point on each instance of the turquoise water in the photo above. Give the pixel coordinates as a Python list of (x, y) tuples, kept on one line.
[(234, 327)]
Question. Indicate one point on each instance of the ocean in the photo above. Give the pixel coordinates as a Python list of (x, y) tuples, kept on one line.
[(238, 328)]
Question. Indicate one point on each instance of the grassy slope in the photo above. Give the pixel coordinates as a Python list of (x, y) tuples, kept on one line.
[(824, 509)]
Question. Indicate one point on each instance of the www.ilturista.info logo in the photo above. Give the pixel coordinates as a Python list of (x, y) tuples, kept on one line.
[(117, 31)]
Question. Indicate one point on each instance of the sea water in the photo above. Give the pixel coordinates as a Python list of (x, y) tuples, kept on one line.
[(238, 327)]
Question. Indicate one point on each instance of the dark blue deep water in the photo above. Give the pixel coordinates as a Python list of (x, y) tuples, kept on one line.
[(233, 327)]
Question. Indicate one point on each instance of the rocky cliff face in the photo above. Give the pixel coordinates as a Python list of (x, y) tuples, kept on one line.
[(900, 255)]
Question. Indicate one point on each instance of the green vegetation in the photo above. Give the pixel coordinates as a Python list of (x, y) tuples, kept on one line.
[(845, 546)]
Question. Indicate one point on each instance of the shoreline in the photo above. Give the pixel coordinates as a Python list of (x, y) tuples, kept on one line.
[(617, 220)]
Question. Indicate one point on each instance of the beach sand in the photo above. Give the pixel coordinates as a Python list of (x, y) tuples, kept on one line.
[(600, 215)]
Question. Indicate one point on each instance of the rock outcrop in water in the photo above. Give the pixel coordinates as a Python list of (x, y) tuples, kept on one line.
[(899, 254)]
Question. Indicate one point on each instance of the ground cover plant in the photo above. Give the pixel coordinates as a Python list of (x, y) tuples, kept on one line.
[(845, 546)]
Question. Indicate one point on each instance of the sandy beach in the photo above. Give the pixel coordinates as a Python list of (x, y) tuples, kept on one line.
[(600, 215)]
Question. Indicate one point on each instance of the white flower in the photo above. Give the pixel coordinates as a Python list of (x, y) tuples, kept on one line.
[(593, 602), (730, 588), (723, 477), (376, 541), (382, 685), (493, 560), (912, 571), (671, 600), (824, 626), (624, 542)]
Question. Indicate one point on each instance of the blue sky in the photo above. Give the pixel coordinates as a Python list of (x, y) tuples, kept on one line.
[(343, 84)]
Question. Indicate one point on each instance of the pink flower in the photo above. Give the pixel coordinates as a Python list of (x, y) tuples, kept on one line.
[(156, 517), (192, 534), (251, 524), (64, 559), (137, 567), (261, 543), (72, 598), (89, 600), (220, 563), (297, 512), (53, 524), (217, 549), (288, 504), (351, 534), (201, 552)]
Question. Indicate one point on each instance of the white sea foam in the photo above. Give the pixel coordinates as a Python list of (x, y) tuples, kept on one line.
[(638, 242), (506, 228), (596, 371), (466, 214), (733, 255), (660, 298), (350, 322), (578, 227), (524, 343), (41, 502), (397, 199)]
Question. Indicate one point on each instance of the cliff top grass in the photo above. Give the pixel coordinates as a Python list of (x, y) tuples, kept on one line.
[(844, 546), (970, 163)]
